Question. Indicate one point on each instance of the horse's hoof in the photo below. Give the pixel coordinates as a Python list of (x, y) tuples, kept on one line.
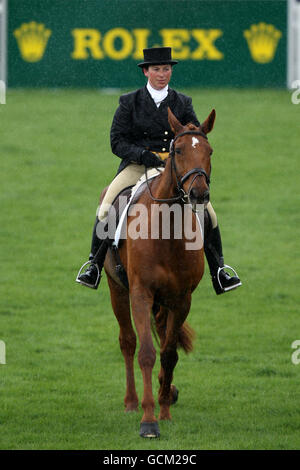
[(175, 393), (150, 430)]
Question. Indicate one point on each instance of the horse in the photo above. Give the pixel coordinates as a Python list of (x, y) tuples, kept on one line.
[(162, 274)]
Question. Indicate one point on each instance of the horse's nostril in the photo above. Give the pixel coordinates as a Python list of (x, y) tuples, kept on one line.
[(201, 198), (194, 193), (206, 197)]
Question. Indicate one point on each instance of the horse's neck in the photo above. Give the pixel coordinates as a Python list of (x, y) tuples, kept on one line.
[(166, 187)]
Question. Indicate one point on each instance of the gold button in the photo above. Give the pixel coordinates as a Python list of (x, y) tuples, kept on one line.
[(166, 132), (163, 149)]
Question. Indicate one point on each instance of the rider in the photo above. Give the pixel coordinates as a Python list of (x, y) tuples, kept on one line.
[(140, 135)]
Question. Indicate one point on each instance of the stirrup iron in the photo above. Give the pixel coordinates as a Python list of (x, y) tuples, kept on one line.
[(98, 275), (226, 289)]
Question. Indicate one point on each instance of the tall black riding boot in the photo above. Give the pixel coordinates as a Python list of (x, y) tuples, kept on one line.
[(221, 280), (92, 275)]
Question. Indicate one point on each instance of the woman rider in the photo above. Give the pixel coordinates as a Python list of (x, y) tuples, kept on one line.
[(140, 132)]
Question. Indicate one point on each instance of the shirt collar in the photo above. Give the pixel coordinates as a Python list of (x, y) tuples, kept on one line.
[(158, 95)]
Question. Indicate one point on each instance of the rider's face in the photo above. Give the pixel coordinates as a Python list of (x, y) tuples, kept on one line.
[(159, 75)]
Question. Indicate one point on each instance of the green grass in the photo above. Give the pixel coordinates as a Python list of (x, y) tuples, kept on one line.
[(64, 381)]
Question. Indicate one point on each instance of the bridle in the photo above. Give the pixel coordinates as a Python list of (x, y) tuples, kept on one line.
[(180, 180)]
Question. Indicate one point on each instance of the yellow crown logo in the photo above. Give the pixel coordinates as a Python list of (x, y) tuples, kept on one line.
[(32, 40), (262, 41)]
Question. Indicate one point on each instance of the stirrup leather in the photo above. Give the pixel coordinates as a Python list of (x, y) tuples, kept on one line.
[(85, 283), (225, 289)]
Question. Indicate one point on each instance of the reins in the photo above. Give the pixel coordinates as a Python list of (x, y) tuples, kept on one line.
[(195, 171)]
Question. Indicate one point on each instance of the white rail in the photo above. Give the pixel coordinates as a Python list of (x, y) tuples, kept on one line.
[(3, 42), (293, 68)]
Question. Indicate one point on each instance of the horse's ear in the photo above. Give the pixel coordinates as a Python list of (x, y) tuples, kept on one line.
[(176, 126), (209, 122)]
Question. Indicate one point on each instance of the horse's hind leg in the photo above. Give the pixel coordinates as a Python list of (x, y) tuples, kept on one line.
[(161, 326), (169, 357), (127, 339), (168, 360)]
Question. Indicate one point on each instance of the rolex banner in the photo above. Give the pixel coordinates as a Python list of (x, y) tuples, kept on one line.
[(98, 43)]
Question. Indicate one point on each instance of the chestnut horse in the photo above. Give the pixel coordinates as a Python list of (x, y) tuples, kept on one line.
[(162, 273)]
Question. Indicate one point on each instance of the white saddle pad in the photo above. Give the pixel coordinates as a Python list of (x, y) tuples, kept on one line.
[(152, 173)]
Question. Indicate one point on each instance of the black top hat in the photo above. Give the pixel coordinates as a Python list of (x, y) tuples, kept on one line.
[(156, 56)]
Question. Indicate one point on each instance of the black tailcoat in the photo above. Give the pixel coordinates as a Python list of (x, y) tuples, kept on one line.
[(138, 124)]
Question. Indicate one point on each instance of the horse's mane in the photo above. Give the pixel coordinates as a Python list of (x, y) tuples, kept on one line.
[(191, 126)]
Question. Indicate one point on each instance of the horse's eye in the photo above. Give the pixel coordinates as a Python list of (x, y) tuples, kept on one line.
[(178, 151)]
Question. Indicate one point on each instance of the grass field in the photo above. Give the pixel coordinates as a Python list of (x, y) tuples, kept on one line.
[(64, 381)]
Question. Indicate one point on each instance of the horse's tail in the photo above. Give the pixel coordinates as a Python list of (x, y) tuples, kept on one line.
[(186, 337), (186, 333)]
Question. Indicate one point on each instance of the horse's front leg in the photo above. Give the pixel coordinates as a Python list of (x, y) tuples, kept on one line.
[(141, 303)]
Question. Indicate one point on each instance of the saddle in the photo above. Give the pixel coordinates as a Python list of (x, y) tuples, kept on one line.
[(121, 204), (117, 217)]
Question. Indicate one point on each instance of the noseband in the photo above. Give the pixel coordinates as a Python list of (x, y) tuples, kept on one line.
[(181, 180)]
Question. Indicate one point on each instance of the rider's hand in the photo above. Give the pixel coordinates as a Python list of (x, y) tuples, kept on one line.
[(150, 160)]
